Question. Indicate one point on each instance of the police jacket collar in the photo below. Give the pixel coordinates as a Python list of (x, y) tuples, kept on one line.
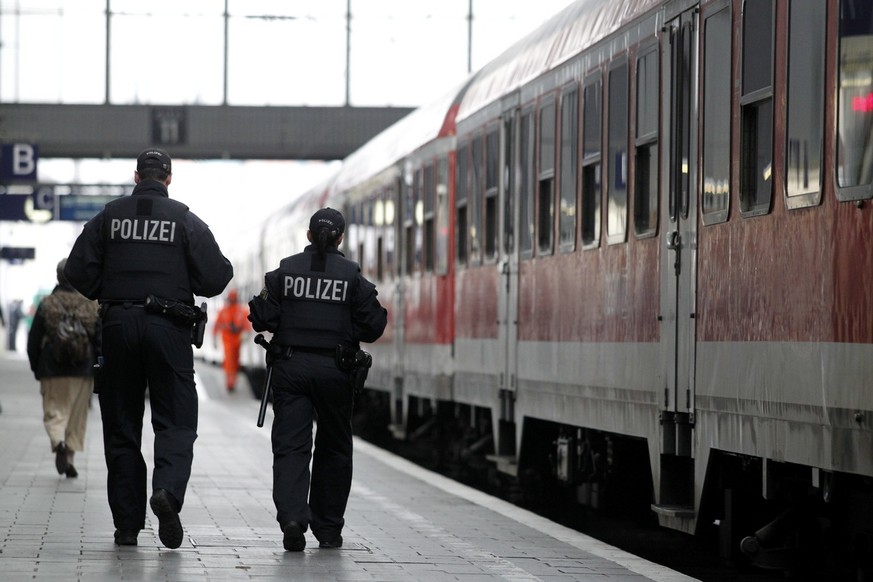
[(153, 187), (314, 249)]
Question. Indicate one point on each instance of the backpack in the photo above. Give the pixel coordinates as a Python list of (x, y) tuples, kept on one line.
[(70, 322)]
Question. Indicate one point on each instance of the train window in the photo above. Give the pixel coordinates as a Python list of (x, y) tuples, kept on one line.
[(461, 187), (441, 250), (716, 116), (509, 181), (407, 200), (428, 218), (855, 101), (806, 50), (646, 144), (492, 169), (477, 166), (681, 100), (418, 220), (363, 257), (379, 224), (592, 115), (367, 257), (412, 224), (526, 190), (409, 247), (380, 265), (373, 238), (351, 236), (616, 160), (409, 237), (569, 164), (546, 190), (390, 232), (756, 113)]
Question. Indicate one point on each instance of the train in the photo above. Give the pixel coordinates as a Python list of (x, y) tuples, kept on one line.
[(628, 264)]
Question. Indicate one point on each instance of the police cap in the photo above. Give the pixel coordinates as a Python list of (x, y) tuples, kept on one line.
[(328, 218), (154, 158)]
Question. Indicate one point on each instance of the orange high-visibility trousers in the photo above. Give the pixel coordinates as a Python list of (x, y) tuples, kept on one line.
[(231, 342)]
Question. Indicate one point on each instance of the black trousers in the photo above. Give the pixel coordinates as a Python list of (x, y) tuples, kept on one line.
[(304, 386), (143, 350)]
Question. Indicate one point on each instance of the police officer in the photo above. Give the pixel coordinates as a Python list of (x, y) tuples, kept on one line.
[(140, 251), (315, 302)]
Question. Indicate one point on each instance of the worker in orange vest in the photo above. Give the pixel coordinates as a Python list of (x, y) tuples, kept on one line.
[(232, 322)]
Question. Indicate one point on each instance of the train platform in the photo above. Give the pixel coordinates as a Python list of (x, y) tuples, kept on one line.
[(403, 523)]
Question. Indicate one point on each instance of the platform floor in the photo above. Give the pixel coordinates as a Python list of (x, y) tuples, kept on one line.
[(403, 523)]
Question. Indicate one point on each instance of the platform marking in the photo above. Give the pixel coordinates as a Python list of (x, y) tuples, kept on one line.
[(567, 535), (481, 558)]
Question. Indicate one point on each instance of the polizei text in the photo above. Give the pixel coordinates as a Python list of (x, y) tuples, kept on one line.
[(316, 288), (142, 229)]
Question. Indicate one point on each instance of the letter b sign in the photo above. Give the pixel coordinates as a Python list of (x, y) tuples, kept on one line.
[(19, 162)]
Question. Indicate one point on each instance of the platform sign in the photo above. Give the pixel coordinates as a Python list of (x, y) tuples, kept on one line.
[(17, 254), (41, 203), (81, 207), (13, 207), (18, 162), (44, 198)]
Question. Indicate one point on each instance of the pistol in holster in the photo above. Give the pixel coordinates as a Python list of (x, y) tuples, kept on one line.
[(357, 363), (181, 313)]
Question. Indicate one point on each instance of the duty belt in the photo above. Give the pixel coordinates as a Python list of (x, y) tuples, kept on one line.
[(288, 350), (126, 303), (177, 311)]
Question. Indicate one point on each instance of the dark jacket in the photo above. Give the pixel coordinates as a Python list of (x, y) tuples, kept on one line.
[(145, 244), (318, 302), (39, 349)]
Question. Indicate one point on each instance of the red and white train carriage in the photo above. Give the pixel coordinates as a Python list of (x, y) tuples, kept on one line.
[(396, 195), (637, 244)]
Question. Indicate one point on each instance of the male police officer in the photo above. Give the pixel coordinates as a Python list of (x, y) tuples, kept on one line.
[(319, 307), (144, 257)]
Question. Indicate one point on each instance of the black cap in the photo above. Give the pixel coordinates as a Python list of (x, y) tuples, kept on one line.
[(328, 218), (154, 158)]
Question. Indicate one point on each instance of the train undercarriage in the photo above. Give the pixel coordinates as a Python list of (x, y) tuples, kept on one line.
[(793, 521)]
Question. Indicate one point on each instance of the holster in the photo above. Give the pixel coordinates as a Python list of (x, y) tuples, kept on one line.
[(181, 313), (357, 363), (198, 329)]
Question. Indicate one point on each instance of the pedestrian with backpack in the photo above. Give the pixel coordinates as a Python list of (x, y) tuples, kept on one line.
[(62, 345)]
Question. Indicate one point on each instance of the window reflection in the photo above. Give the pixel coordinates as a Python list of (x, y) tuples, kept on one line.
[(855, 121)]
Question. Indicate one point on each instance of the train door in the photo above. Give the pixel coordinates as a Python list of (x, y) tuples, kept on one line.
[(679, 54), (508, 287)]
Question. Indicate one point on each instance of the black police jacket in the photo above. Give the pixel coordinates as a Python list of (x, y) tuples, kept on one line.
[(146, 244), (318, 302)]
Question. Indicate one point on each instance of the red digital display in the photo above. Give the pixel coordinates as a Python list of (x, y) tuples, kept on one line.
[(863, 104)]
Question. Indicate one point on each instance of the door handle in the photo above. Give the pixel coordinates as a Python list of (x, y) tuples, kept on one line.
[(674, 243)]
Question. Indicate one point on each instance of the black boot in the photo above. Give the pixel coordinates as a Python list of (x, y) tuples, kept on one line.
[(61, 463)]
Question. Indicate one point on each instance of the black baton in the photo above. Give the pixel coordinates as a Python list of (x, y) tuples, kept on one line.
[(265, 397)]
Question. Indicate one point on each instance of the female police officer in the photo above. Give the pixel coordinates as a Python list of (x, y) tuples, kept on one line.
[(317, 304)]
